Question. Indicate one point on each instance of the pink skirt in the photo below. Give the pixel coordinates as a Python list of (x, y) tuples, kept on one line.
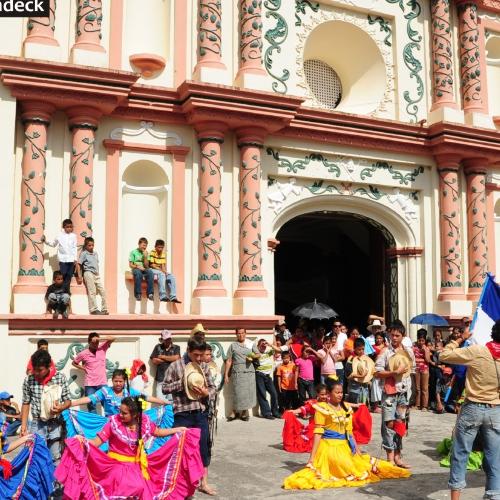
[(175, 469)]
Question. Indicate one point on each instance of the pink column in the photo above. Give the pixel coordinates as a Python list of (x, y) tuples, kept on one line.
[(470, 57), (41, 29), (250, 37), (88, 26), (210, 138), (450, 226), (250, 283), (36, 118), (442, 55), (475, 172), (209, 34), (112, 224), (179, 222), (83, 124)]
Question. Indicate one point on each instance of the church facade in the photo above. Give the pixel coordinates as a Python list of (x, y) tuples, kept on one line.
[(342, 150)]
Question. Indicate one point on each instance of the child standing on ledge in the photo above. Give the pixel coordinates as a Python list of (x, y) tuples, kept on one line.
[(66, 250), (87, 270)]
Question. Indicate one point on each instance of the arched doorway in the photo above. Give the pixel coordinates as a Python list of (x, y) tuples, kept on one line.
[(339, 258)]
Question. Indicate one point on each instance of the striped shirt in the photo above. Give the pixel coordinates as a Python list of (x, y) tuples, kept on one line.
[(157, 260)]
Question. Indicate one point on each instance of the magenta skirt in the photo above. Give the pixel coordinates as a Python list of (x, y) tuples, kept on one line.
[(175, 469)]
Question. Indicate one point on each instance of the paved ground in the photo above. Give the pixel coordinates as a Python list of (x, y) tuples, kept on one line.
[(249, 463)]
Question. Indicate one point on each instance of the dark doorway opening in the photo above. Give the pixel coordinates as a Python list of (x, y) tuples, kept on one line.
[(337, 258)]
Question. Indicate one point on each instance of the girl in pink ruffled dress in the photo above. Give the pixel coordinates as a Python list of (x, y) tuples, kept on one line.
[(171, 472)]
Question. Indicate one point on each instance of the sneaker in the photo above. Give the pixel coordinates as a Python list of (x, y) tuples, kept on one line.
[(138, 298), (164, 299), (175, 300), (151, 296), (96, 312), (104, 312)]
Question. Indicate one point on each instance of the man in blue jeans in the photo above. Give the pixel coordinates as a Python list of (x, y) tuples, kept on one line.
[(480, 412), (138, 261), (264, 380)]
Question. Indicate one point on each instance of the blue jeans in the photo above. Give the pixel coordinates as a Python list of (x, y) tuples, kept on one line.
[(51, 432), (472, 419), (67, 269), (139, 275), (265, 385), (13, 427), (92, 389), (306, 387), (199, 420), (58, 301)]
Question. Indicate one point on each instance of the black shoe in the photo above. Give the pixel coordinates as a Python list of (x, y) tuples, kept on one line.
[(96, 312), (104, 312), (276, 415), (175, 300), (246, 418), (151, 296), (269, 417), (138, 298), (165, 299)]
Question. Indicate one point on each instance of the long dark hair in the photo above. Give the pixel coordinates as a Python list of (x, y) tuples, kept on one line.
[(135, 407), (330, 385), (119, 372)]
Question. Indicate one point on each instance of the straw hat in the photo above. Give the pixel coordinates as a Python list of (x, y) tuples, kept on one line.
[(193, 377), (401, 358), (363, 369), (376, 322), (198, 329)]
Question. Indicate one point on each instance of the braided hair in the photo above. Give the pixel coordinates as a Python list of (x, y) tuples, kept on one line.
[(120, 372), (135, 407)]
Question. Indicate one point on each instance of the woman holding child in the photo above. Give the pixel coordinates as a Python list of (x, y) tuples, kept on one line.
[(335, 458)]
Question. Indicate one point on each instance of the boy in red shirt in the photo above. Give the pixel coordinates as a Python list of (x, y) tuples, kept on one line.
[(287, 375)]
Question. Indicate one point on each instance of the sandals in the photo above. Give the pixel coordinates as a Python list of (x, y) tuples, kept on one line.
[(402, 465), (207, 490)]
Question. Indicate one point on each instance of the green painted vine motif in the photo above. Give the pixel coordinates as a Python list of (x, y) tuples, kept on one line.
[(251, 30), (250, 221), (275, 37), (209, 28), (476, 210), (89, 17), (319, 187), (385, 26), (297, 165), (211, 204), (31, 233), (411, 62), (300, 8), (402, 178), (44, 21), (82, 201), (451, 257)]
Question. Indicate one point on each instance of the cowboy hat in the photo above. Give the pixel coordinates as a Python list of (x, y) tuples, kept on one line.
[(198, 329), (376, 322), (363, 369), (193, 377), (399, 359)]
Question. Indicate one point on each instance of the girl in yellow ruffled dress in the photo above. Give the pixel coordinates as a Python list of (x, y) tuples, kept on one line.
[(335, 458)]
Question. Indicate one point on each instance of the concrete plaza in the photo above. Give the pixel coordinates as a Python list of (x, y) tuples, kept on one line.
[(249, 463)]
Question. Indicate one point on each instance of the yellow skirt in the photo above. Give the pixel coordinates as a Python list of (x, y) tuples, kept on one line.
[(335, 466)]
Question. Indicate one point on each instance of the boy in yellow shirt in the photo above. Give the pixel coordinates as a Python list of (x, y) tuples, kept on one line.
[(158, 266)]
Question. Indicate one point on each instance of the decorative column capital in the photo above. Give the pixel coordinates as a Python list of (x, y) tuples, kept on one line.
[(36, 111), (253, 136), (475, 166), (83, 117), (448, 161), (212, 131)]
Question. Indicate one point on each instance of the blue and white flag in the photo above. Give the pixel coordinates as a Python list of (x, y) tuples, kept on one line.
[(487, 312)]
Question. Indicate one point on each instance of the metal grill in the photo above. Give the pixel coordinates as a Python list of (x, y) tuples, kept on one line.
[(324, 83)]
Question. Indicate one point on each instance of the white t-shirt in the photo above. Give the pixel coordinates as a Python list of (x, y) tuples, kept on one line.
[(407, 342)]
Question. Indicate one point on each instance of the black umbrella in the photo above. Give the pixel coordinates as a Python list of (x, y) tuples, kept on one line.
[(314, 310)]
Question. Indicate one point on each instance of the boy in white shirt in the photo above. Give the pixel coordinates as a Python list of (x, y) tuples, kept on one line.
[(66, 250)]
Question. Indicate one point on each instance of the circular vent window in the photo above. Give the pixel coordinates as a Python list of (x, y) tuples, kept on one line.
[(324, 83)]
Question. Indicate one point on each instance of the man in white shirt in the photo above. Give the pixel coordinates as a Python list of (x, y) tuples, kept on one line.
[(66, 250), (375, 327)]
